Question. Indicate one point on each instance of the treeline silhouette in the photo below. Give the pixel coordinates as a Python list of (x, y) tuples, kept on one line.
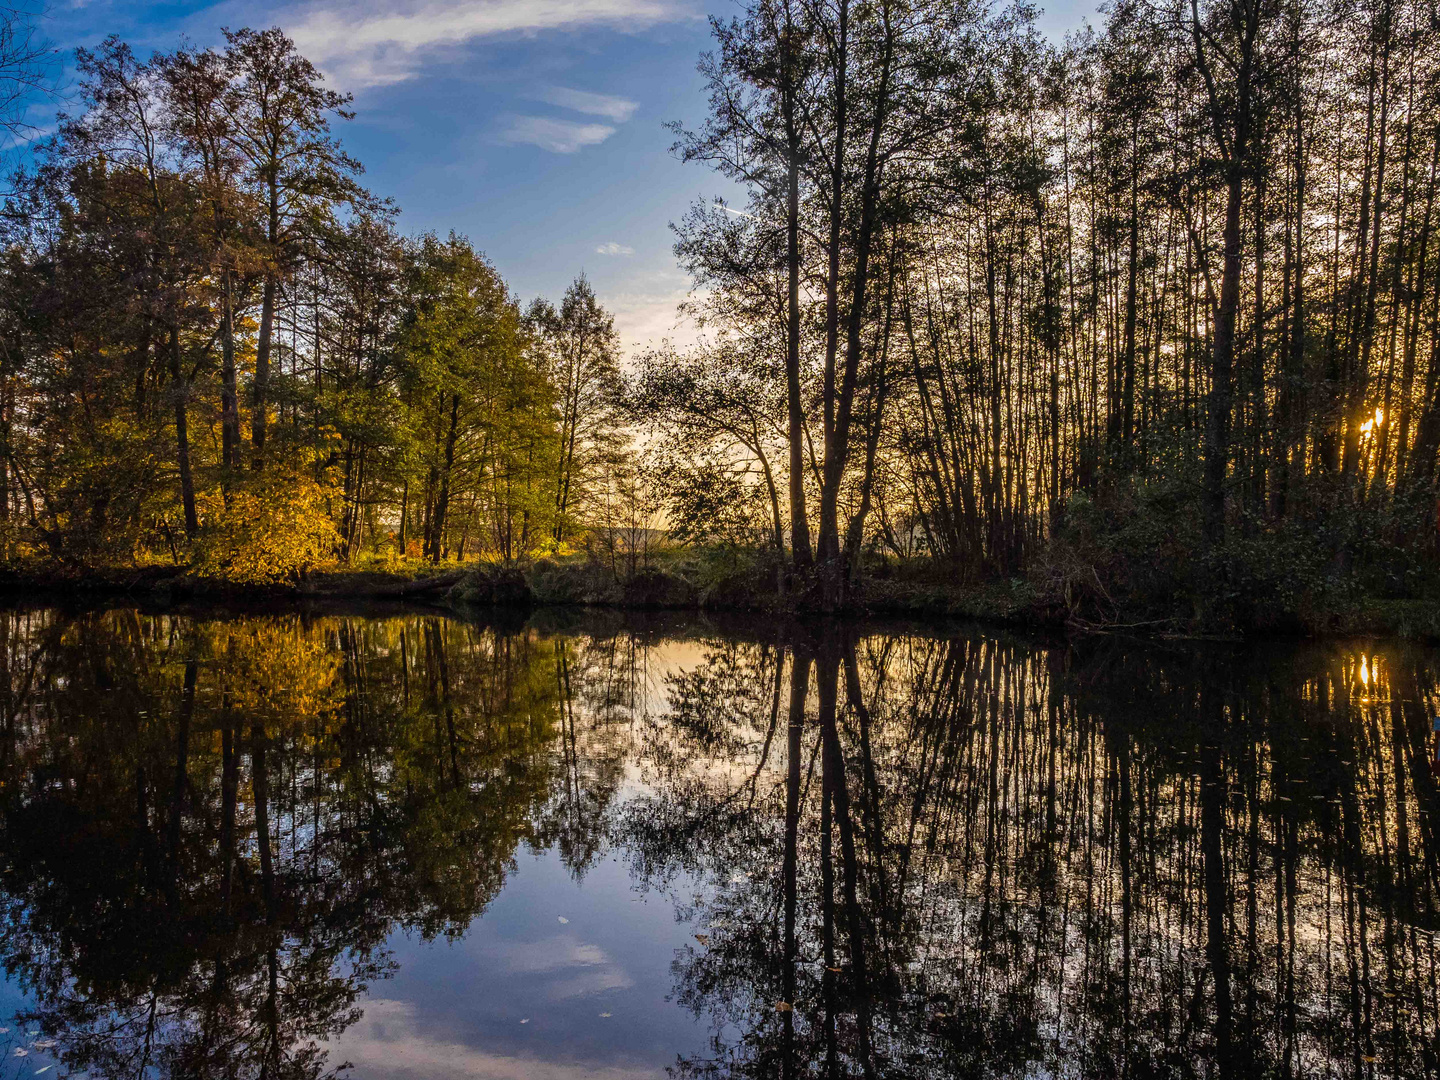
[(1149, 314)]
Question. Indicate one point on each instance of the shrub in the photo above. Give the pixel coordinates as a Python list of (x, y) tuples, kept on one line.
[(274, 528)]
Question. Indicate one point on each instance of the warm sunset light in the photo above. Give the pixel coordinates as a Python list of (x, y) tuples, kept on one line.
[(727, 539)]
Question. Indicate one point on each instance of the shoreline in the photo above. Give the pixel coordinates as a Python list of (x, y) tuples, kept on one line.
[(1013, 605)]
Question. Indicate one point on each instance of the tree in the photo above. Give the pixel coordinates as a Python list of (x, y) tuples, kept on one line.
[(480, 412), (826, 119), (121, 173), (760, 84), (584, 350), (713, 404), (1228, 35), (27, 73), (195, 226), (198, 94), (279, 123)]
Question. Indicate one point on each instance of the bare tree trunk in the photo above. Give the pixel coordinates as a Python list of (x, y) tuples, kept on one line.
[(837, 438), (1233, 141), (799, 521), (260, 391), (1217, 431), (229, 393), (442, 501), (181, 389)]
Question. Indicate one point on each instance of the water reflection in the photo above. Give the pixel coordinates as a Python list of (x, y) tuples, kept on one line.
[(899, 854)]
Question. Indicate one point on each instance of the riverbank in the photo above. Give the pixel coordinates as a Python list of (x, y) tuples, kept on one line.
[(1020, 603), (177, 583), (685, 581)]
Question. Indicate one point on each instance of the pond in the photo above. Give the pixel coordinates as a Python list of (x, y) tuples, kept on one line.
[(591, 845)]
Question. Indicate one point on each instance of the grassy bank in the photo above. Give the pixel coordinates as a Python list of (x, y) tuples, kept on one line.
[(48, 580), (720, 580), (686, 579)]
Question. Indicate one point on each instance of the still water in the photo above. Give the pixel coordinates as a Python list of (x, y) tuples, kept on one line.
[(595, 846)]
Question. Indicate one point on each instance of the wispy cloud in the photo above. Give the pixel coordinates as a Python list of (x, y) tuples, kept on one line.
[(557, 136), (390, 1037), (647, 318), (389, 43), (612, 248), (617, 109)]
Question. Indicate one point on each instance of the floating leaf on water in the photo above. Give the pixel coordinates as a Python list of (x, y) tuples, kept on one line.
[(563, 919), (785, 1006), (703, 939)]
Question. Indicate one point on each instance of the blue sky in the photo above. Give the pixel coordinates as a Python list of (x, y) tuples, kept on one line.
[(535, 127)]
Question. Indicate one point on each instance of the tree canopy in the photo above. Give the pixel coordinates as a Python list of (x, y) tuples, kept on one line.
[(219, 351)]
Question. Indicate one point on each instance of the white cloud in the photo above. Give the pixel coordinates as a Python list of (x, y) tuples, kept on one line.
[(553, 954), (612, 248), (617, 109), (390, 1038), (557, 136), (359, 47)]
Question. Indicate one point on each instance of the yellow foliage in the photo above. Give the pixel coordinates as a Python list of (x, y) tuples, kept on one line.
[(280, 672), (550, 547), (274, 528)]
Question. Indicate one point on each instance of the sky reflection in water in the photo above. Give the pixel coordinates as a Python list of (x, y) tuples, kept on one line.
[(595, 846)]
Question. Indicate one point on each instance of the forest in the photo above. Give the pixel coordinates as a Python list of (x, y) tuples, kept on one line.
[(220, 352), (1146, 321), (1150, 315)]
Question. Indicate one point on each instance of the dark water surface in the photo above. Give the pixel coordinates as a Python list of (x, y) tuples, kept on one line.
[(607, 847)]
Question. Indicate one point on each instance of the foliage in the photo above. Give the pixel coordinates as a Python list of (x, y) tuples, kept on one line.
[(193, 203), (1147, 315), (712, 502), (1181, 269), (581, 349), (479, 408), (274, 528)]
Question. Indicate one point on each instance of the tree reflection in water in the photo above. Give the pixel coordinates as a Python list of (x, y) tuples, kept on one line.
[(210, 827), (970, 857), (918, 855)]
